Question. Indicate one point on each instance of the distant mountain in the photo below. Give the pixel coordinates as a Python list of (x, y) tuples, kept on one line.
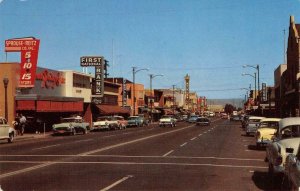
[(238, 103)]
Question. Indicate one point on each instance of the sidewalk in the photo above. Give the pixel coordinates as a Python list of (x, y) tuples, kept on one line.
[(28, 136)]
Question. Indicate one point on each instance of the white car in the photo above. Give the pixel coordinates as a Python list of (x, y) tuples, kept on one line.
[(106, 123), (6, 132), (167, 120), (252, 125), (292, 170), (287, 139)]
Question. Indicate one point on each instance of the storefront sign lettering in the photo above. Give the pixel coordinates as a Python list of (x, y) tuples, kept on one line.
[(29, 48), (50, 79)]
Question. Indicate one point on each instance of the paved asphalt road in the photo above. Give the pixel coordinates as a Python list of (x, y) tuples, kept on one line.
[(186, 157)]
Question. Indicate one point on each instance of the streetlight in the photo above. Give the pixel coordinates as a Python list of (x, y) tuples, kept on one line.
[(151, 77), (5, 82), (134, 71), (244, 74), (257, 68)]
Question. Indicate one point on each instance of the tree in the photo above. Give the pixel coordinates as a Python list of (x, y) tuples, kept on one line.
[(229, 108)]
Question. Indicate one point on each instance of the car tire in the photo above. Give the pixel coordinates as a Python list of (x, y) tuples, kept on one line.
[(11, 138)]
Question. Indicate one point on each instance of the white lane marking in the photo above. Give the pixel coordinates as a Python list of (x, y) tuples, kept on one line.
[(26, 169), (168, 153), (138, 156), (116, 183), (108, 136), (193, 138), (200, 134), (94, 151), (183, 144), (40, 148), (126, 163), (204, 132), (86, 140)]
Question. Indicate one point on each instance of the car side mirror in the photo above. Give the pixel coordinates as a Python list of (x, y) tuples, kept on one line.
[(289, 150)]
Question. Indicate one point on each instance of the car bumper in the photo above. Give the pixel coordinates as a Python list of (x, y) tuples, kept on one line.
[(263, 142)]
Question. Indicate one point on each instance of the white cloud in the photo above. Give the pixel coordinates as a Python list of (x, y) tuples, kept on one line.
[(1, 1)]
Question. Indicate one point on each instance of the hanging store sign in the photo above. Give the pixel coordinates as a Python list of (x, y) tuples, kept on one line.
[(124, 97), (98, 62), (29, 48), (264, 96)]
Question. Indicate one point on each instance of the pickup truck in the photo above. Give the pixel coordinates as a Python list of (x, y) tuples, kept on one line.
[(105, 123)]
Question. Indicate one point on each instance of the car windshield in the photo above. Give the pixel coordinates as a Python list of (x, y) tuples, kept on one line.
[(165, 116), (103, 119), (269, 124), (254, 120), (66, 120), (132, 118), (291, 131), (202, 120)]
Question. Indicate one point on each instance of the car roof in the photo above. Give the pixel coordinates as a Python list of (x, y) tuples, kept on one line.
[(289, 121), (270, 119), (256, 117)]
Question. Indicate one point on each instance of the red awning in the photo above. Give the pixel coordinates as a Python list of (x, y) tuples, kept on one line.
[(112, 109), (49, 106)]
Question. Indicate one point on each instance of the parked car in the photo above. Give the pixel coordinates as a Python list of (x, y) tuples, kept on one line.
[(287, 138), (6, 132), (202, 121), (167, 120), (252, 125), (292, 169), (121, 121), (71, 126), (266, 130), (192, 119), (105, 123), (135, 121)]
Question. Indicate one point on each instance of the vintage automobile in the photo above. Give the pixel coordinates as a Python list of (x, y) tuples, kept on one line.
[(193, 118), (167, 120), (121, 121), (266, 130), (287, 138), (202, 121), (292, 169), (105, 123), (6, 132), (71, 126), (252, 125), (135, 121)]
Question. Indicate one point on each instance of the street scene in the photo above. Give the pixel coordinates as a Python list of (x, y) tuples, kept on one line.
[(149, 95)]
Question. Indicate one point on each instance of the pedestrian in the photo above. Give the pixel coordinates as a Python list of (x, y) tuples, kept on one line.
[(16, 123), (22, 124)]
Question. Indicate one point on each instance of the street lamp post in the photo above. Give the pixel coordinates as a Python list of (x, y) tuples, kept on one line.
[(134, 71), (244, 74), (257, 68), (151, 78), (5, 82)]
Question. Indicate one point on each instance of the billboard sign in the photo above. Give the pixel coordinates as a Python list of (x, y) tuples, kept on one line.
[(91, 61), (29, 48)]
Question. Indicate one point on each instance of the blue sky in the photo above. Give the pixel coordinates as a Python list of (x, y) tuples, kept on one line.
[(208, 39)]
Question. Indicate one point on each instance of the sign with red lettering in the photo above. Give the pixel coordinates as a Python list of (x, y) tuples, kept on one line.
[(29, 49)]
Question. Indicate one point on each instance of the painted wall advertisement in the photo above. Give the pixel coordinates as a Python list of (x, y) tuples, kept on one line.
[(29, 48)]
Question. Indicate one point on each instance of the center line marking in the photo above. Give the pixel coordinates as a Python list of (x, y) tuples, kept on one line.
[(193, 138), (168, 153), (183, 144), (116, 183)]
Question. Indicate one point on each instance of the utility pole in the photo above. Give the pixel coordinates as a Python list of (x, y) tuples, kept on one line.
[(173, 99)]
